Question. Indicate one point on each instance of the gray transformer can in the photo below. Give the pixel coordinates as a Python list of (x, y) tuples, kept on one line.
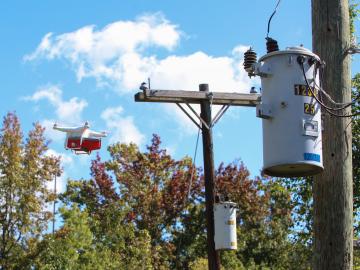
[(291, 116)]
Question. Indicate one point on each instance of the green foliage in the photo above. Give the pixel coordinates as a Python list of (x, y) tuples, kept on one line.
[(24, 174), (145, 210), (199, 264), (156, 188), (302, 216), (151, 194), (230, 260), (353, 14), (75, 247), (70, 247), (107, 219), (356, 152), (264, 215), (357, 259)]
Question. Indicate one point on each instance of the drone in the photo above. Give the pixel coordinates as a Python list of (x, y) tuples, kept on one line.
[(81, 140)]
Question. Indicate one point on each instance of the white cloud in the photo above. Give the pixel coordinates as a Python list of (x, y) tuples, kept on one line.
[(187, 72), (121, 128), (223, 74), (106, 53), (70, 164), (66, 111), (65, 158), (117, 56)]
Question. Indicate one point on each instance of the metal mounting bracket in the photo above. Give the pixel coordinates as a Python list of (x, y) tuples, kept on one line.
[(217, 117)]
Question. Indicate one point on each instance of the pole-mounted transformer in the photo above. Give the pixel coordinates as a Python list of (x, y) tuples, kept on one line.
[(291, 115), (225, 225)]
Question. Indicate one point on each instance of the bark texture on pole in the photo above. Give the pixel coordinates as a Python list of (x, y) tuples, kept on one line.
[(333, 197), (209, 174)]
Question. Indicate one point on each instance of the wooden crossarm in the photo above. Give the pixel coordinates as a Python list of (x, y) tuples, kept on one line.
[(195, 97)]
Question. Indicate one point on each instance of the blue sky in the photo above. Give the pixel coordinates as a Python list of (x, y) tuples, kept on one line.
[(71, 61)]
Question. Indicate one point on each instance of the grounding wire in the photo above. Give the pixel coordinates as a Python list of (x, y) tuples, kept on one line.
[(272, 15), (345, 104), (312, 92), (327, 109), (194, 159)]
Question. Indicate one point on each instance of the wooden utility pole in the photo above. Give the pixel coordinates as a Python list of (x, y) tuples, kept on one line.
[(205, 99), (209, 174), (333, 197)]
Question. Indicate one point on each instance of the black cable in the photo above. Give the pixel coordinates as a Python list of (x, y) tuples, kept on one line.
[(194, 159), (347, 104), (313, 93), (272, 15), (327, 109)]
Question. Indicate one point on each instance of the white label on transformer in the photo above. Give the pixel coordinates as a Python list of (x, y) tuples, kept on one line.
[(310, 128)]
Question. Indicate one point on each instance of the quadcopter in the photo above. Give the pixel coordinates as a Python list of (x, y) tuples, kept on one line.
[(81, 140)]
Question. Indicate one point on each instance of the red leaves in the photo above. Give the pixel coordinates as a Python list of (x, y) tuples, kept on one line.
[(257, 199), (154, 185), (152, 191), (102, 180), (233, 181)]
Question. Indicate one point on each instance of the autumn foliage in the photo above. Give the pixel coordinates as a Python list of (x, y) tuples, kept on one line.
[(151, 192), (25, 171), (142, 210)]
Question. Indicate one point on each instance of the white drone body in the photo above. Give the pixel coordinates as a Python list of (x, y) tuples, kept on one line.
[(81, 140)]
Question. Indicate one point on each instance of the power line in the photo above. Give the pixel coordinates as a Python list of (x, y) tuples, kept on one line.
[(272, 15), (194, 159)]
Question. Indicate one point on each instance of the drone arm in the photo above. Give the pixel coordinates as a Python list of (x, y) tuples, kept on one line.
[(97, 134), (68, 129)]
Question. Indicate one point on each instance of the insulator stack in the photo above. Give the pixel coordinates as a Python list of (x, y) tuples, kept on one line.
[(250, 58), (271, 45)]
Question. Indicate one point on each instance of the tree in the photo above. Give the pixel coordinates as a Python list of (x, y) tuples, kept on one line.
[(356, 164), (25, 171), (74, 247), (265, 219), (156, 194), (157, 190), (113, 233), (356, 152), (70, 248)]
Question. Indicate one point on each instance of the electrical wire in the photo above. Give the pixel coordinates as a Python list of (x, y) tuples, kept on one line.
[(319, 87), (327, 109), (346, 104), (192, 175), (313, 92), (272, 15), (194, 159)]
